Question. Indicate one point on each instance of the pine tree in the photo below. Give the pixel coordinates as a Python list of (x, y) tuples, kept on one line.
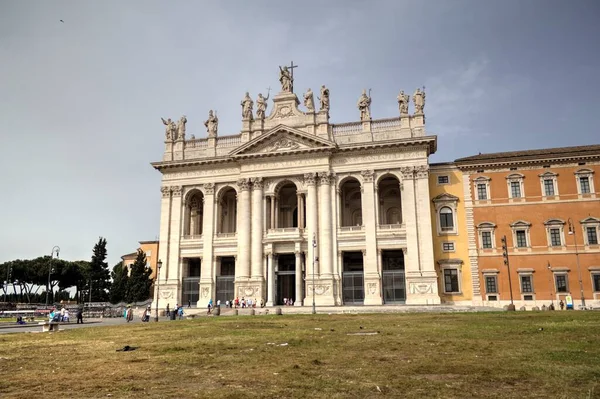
[(139, 279), (99, 275), (120, 282)]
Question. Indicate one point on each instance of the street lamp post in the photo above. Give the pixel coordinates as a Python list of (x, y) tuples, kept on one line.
[(56, 249), (511, 307), (314, 243), (158, 266), (572, 233), (550, 283)]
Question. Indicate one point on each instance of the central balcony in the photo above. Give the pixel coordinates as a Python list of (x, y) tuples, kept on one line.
[(284, 234)]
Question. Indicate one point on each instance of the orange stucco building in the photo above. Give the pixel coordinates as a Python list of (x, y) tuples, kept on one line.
[(547, 205), (150, 248)]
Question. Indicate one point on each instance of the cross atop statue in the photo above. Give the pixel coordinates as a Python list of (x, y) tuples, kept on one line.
[(286, 78)]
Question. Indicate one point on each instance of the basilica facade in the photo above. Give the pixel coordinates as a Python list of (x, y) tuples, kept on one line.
[(295, 208)]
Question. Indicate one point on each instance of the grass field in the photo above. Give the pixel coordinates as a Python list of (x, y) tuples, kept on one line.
[(467, 355)]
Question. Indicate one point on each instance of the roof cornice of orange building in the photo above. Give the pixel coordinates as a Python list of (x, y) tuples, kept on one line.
[(529, 157)]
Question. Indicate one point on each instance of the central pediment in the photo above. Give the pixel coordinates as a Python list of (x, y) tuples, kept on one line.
[(282, 140)]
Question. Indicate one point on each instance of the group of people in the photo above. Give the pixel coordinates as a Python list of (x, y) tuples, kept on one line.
[(178, 310), (244, 303), (63, 316)]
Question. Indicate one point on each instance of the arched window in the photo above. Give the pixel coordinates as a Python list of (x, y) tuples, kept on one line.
[(446, 219)]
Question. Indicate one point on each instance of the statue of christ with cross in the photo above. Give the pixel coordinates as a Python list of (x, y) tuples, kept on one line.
[(286, 77)]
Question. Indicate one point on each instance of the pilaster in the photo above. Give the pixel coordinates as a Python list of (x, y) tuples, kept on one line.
[(207, 267), (257, 232), (299, 294), (270, 280), (324, 288), (167, 293), (372, 278), (242, 267)]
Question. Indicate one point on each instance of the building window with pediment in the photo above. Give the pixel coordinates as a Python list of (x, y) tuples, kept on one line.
[(486, 235), (446, 206), (490, 279), (521, 234), (549, 184), (596, 280), (482, 188), (526, 284), (555, 232), (585, 181), (562, 282), (591, 230), (515, 185)]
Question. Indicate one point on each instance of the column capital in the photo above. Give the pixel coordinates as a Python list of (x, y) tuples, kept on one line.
[(166, 191), (408, 172), (325, 178), (244, 184), (367, 175), (422, 171), (257, 183), (297, 253), (176, 191), (310, 179), (209, 188)]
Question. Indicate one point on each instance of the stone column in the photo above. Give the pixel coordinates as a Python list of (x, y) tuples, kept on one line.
[(163, 249), (299, 294), (325, 287), (257, 231), (270, 279), (311, 217), (325, 231), (242, 267), (207, 271), (272, 212), (174, 272), (298, 210), (372, 278), (276, 212)]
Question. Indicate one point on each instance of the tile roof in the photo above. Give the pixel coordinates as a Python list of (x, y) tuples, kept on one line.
[(559, 152)]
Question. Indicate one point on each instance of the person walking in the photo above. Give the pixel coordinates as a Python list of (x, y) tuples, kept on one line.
[(210, 305), (167, 312), (80, 316)]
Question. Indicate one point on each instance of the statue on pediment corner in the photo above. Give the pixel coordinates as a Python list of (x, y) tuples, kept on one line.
[(286, 80), (419, 100), (212, 124), (170, 130), (403, 101), (261, 106), (309, 101), (324, 99), (364, 105), (247, 105)]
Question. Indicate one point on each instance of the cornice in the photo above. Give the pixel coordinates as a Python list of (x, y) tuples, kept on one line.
[(499, 164)]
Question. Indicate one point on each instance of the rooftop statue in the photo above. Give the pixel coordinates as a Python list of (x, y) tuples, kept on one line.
[(309, 101), (247, 105), (286, 79), (324, 99), (261, 106), (403, 100), (181, 128), (170, 130), (419, 100), (364, 106), (212, 124)]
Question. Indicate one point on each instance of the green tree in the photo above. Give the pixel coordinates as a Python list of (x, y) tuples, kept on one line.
[(99, 275), (120, 283), (139, 279)]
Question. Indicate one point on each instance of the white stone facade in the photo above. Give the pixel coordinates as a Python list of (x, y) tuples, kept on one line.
[(239, 213)]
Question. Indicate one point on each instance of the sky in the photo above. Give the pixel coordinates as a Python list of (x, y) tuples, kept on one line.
[(81, 100)]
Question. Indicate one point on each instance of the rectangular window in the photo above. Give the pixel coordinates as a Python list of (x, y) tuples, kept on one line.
[(584, 183), (528, 297), (561, 283), (555, 240), (592, 236), (596, 278), (486, 239), (549, 187), (443, 179), (526, 285), (482, 191), (451, 280), (521, 239), (490, 285), (448, 246), (515, 189)]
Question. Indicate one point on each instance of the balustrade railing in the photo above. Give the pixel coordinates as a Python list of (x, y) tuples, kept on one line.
[(284, 230), (381, 125), (196, 143), (351, 228), (226, 235), (192, 236), (394, 226), (346, 129), (229, 141)]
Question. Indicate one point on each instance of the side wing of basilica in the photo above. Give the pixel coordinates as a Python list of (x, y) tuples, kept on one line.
[(295, 209)]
